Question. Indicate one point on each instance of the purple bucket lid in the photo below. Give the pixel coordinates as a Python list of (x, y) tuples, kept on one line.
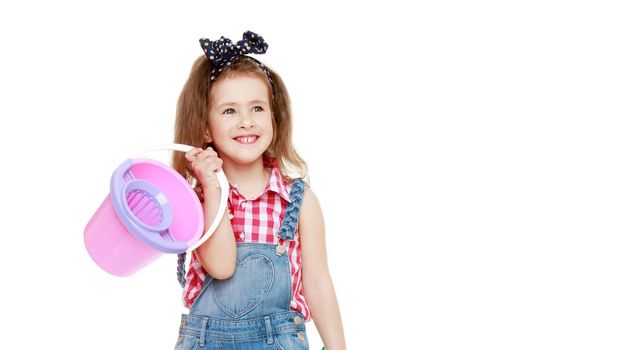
[(147, 219)]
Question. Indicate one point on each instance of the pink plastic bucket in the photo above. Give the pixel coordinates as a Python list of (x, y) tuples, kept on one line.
[(150, 210)]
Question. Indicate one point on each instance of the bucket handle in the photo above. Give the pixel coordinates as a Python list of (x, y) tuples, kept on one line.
[(222, 180)]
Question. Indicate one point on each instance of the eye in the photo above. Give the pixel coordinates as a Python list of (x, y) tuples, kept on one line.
[(229, 111), (257, 109)]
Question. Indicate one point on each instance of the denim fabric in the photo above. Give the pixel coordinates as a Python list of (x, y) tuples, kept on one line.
[(275, 331), (250, 310)]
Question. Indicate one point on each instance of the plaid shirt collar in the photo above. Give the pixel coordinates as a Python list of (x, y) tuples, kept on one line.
[(275, 183)]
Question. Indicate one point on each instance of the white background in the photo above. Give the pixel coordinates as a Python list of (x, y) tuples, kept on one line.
[(467, 157)]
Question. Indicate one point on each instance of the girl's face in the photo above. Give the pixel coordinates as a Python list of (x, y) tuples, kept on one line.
[(240, 118)]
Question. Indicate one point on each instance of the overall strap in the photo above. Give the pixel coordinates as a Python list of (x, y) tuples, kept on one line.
[(290, 221)]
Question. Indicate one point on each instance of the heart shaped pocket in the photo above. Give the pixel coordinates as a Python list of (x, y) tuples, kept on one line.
[(247, 288)]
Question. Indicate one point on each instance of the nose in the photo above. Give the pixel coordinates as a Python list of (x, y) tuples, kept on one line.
[(246, 121)]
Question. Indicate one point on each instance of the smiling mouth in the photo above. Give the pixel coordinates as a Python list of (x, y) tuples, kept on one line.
[(246, 140)]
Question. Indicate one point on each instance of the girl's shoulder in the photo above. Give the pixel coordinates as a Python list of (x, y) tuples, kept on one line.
[(310, 209)]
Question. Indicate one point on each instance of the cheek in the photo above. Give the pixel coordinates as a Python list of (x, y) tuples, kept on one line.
[(217, 135), (269, 129), (220, 128), (220, 133), (268, 124)]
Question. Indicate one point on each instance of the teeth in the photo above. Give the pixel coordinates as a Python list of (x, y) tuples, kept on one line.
[(246, 139)]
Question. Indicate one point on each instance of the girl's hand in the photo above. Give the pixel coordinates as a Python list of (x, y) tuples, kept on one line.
[(205, 164)]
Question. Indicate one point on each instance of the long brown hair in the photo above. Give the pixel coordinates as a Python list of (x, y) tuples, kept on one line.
[(192, 116)]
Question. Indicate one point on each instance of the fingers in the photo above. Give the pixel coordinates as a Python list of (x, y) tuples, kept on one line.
[(191, 154), (204, 165), (212, 166), (205, 154), (200, 154)]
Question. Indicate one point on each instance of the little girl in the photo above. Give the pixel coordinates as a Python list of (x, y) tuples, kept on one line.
[(244, 287)]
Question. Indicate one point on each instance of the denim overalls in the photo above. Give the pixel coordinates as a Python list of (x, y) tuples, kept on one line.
[(251, 309)]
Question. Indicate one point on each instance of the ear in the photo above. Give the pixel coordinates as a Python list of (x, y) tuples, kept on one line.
[(207, 136)]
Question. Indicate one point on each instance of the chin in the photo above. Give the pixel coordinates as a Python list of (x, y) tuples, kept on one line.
[(247, 159)]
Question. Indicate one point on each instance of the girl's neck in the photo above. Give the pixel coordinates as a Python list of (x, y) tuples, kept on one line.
[(250, 179)]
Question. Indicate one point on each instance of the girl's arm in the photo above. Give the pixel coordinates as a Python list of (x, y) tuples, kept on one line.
[(218, 254), (316, 280)]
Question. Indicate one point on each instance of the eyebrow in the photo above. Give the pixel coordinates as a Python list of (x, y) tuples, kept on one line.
[(250, 103)]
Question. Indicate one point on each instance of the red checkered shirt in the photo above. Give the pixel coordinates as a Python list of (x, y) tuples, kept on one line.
[(258, 220)]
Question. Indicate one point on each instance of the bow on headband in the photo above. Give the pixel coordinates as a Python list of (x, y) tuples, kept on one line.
[(223, 52)]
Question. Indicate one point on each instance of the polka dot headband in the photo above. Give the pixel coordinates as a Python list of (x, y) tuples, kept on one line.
[(223, 52)]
